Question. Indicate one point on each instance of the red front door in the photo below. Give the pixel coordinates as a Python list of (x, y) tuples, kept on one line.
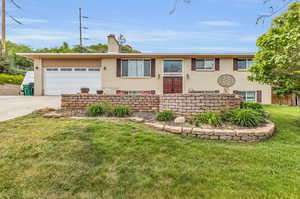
[(172, 85)]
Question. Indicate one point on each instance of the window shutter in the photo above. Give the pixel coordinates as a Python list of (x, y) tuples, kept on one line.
[(258, 96), (235, 64), (153, 66), (118, 67), (217, 64), (193, 64)]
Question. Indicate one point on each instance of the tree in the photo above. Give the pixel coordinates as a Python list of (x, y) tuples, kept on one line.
[(4, 64), (277, 61)]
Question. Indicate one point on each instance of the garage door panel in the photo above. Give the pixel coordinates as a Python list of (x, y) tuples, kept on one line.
[(69, 82)]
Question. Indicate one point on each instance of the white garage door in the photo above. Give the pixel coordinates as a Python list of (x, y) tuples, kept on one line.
[(68, 80)]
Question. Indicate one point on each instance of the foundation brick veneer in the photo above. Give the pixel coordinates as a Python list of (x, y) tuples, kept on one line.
[(182, 104)]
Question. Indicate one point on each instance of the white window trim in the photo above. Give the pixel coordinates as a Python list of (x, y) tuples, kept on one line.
[(136, 77), (173, 73), (206, 69), (246, 93)]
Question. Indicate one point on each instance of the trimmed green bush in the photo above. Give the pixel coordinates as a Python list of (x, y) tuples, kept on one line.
[(11, 79), (211, 118), (95, 110), (251, 105), (121, 111), (246, 117), (108, 109), (167, 115)]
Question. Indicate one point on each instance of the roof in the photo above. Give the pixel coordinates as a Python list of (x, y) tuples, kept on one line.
[(129, 55)]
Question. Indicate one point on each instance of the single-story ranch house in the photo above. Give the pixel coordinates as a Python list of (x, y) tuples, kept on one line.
[(144, 73)]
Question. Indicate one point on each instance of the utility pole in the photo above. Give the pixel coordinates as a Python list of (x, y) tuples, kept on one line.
[(81, 27), (3, 46), (80, 30)]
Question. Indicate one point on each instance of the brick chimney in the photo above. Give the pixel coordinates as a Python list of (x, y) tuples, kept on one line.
[(113, 44)]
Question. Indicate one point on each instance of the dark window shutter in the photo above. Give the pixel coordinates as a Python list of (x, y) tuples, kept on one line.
[(118, 67), (217, 64), (258, 96), (193, 64), (153, 67), (235, 64)]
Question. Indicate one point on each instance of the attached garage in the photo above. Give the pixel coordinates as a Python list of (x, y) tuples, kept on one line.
[(69, 80)]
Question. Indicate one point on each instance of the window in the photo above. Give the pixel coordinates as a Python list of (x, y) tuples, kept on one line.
[(52, 69), (65, 69), (172, 66), (205, 64), (80, 69), (249, 96), (94, 69), (244, 64), (136, 68)]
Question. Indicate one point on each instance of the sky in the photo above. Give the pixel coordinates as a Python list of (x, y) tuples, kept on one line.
[(201, 26)]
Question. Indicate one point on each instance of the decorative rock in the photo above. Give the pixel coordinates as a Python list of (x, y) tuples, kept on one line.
[(136, 119), (52, 115), (180, 120), (173, 129)]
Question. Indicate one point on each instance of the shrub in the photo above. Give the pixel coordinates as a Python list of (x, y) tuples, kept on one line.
[(246, 117), (210, 118), (108, 109), (95, 110), (167, 115), (251, 105), (11, 79), (121, 111)]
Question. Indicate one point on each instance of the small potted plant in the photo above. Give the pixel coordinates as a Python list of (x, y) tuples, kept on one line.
[(84, 90), (100, 92)]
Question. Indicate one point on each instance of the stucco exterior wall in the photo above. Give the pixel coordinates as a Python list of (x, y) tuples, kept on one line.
[(192, 80)]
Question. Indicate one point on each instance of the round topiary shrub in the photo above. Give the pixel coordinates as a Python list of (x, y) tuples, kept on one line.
[(246, 117), (95, 110), (167, 115)]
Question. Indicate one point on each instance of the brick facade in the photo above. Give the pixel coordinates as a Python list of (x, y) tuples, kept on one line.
[(182, 104), (190, 104)]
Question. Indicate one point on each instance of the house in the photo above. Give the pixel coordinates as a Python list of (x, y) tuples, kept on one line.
[(144, 73)]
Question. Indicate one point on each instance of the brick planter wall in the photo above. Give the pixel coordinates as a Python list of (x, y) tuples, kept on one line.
[(189, 104), (144, 103), (182, 104), (9, 89)]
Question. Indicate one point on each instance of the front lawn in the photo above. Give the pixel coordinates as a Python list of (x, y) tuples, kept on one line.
[(65, 158)]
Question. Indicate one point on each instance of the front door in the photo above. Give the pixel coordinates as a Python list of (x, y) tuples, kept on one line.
[(172, 85)]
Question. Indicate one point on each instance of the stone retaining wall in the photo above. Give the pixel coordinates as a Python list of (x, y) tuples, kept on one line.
[(182, 104), (143, 103), (9, 89), (189, 104), (233, 135)]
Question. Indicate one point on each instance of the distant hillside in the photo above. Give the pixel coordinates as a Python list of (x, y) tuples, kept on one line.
[(16, 65)]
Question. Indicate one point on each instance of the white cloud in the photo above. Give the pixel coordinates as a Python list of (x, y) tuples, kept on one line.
[(219, 23)]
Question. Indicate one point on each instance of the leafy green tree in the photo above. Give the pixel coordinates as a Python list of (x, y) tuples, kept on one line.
[(277, 61), (4, 64)]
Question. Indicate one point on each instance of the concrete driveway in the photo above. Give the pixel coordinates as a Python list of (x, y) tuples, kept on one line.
[(16, 106)]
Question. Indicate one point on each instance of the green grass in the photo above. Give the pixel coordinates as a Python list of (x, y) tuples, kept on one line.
[(65, 158)]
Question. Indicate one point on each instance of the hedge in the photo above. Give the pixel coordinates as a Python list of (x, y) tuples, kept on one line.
[(11, 79)]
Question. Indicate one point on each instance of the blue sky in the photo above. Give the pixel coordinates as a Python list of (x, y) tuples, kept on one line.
[(201, 26)]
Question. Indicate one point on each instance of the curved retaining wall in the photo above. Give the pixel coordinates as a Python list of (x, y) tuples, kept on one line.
[(233, 135)]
